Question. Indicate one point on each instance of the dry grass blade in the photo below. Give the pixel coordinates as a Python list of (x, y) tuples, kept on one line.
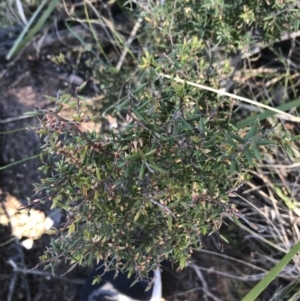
[(283, 115), (21, 11)]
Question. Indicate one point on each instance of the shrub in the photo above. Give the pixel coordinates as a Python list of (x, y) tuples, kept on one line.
[(151, 189)]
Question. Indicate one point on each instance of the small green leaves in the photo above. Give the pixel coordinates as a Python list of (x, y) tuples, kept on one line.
[(237, 138), (96, 280), (230, 140), (256, 152), (81, 87), (248, 155), (186, 124), (233, 166), (137, 114), (142, 171), (182, 262), (157, 168), (252, 132), (65, 98), (248, 15), (136, 217), (140, 152), (32, 113), (261, 142), (170, 222), (147, 61)]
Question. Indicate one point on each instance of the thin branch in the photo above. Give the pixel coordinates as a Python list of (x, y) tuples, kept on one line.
[(165, 208), (44, 274), (128, 42), (255, 277)]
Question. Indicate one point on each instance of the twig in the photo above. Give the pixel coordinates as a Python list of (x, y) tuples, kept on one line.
[(283, 166), (201, 278), (241, 278), (163, 207), (260, 46), (128, 42), (12, 286), (43, 274), (15, 275)]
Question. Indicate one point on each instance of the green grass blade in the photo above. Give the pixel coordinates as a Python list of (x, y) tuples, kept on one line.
[(287, 106), (24, 31), (253, 294), (18, 162), (94, 33), (22, 41), (14, 131)]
